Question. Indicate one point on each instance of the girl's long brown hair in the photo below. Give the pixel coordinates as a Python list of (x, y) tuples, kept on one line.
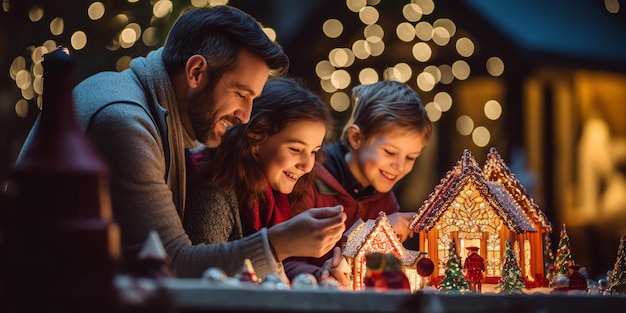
[(232, 166)]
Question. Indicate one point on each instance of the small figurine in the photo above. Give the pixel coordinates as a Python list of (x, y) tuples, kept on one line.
[(247, 274), (576, 280), (475, 266), (153, 259), (384, 271)]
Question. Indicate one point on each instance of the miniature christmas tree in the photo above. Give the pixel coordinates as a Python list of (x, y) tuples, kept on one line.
[(563, 253), (511, 280), (454, 279), (618, 279)]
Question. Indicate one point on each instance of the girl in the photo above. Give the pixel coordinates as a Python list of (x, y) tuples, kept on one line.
[(241, 189)]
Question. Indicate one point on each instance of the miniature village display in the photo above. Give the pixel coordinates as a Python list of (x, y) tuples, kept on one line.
[(377, 236), (482, 207)]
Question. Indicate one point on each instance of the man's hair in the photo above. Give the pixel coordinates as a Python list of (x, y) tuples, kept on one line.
[(219, 33), (387, 106), (233, 166)]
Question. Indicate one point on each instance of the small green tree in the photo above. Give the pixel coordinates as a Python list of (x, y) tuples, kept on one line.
[(618, 278), (511, 280), (563, 253), (454, 279)]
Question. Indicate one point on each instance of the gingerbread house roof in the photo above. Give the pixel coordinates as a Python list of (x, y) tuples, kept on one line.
[(467, 171), (495, 169), (368, 235)]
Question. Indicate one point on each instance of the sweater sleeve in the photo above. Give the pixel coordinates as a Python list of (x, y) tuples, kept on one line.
[(142, 201)]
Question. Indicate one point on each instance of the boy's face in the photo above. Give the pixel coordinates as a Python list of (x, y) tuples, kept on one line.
[(384, 159)]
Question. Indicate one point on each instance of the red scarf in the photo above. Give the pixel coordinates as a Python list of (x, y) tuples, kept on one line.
[(275, 211)]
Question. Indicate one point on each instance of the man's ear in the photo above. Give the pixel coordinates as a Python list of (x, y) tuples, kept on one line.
[(354, 136), (195, 71)]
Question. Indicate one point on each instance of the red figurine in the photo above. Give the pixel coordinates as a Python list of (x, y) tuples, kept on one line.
[(576, 280), (475, 266), (384, 271)]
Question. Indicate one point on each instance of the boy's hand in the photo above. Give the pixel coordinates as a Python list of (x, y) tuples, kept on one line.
[(400, 223)]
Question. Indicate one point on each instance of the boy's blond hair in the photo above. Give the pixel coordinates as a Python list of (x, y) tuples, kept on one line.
[(387, 106)]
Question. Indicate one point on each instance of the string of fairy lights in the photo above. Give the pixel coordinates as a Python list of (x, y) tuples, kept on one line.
[(426, 36)]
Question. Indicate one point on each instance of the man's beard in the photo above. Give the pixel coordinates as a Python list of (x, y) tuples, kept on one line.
[(203, 117)]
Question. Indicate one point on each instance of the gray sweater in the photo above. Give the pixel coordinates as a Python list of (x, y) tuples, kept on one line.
[(131, 119)]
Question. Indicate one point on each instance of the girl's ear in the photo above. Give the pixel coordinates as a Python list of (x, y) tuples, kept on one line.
[(354, 136)]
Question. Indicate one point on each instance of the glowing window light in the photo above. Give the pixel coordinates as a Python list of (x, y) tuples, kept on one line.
[(373, 33), (424, 31), (612, 6), (493, 110), (433, 111), (162, 8), (270, 33), (368, 15), (428, 6), (495, 66), (481, 136), (403, 72), (444, 100), (95, 11), (377, 48), (150, 36), (405, 31), (446, 74), (78, 40), (340, 101), (56, 26), (340, 79), (464, 125), (361, 49), (426, 81), (461, 70), (465, 47), (332, 28), (412, 12), (327, 85), (356, 5), (421, 51), (324, 69), (433, 70), (368, 76), (447, 24), (21, 108), (35, 14), (441, 36)]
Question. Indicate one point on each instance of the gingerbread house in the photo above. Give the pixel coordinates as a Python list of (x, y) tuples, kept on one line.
[(377, 236), (482, 208)]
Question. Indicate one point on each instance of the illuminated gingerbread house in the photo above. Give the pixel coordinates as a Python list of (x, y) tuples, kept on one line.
[(482, 208), (377, 235)]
